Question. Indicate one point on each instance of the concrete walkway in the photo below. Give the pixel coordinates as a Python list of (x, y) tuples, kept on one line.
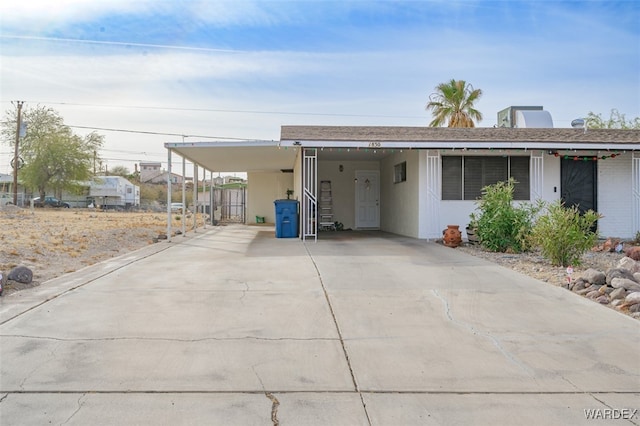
[(232, 326)]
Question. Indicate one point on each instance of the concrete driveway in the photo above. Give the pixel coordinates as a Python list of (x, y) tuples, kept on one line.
[(232, 326)]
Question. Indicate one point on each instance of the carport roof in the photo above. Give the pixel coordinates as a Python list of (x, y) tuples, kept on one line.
[(245, 156)]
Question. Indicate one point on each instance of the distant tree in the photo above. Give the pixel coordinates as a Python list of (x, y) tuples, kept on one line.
[(616, 120), (54, 158), (120, 171), (452, 103)]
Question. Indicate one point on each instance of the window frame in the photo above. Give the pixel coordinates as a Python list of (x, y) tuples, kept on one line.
[(400, 172), (458, 175)]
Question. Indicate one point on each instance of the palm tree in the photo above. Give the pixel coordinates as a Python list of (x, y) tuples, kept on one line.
[(453, 102)]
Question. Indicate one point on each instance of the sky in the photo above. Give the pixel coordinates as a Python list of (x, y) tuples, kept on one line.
[(146, 72)]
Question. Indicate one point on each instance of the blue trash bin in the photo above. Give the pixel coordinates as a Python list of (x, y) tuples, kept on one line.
[(286, 218)]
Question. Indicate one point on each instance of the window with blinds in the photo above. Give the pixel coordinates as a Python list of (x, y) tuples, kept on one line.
[(463, 177)]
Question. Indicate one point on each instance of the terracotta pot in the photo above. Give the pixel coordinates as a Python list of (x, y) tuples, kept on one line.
[(451, 237)]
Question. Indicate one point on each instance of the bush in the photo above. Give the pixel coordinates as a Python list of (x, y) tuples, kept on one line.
[(563, 234), (501, 226)]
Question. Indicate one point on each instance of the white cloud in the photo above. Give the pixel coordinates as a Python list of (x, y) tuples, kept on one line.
[(29, 13)]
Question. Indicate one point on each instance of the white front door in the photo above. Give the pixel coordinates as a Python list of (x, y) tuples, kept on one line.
[(367, 199)]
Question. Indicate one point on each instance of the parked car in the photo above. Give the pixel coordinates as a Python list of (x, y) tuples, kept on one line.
[(49, 202), (177, 207)]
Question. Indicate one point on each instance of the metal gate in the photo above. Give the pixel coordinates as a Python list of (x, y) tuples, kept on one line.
[(229, 205), (310, 194)]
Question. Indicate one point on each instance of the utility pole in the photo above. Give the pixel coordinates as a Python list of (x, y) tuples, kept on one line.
[(16, 156)]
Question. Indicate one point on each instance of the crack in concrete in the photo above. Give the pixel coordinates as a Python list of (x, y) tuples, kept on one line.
[(609, 407), (274, 401), (496, 342), (4, 397), (52, 354), (337, 326), (274, 408), (80, 404), (166, 339), (244, 292)]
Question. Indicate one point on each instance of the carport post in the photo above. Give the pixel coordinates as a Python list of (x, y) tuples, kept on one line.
[(195, 196), (211, 197), (169, 194), (184, 198)]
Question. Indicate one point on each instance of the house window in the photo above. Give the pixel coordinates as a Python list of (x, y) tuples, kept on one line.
[(400, 172), (463, 177)]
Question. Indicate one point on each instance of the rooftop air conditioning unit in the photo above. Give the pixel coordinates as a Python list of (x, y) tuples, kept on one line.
[(524, 116)]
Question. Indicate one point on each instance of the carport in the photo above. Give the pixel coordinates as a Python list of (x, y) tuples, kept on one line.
[(241, 156), (261, 158)]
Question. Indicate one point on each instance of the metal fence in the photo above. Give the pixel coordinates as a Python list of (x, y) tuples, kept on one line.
[(230, 205)]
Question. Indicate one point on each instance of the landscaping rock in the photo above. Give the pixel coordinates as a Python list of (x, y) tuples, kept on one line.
[(636, 276), (634, 308), (594, 276), (618, 293), (629, 264), (605, 289), (618, 273), (604, 300), (593, 294), (633, 252), (632, 298), (21, 274), (578, 285), (630, 285), (589, 289)]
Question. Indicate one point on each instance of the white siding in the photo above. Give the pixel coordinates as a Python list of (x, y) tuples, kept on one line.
[(615, 199), (431, 190)]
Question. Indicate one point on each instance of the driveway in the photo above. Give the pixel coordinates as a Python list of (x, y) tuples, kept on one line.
[(232, 326)]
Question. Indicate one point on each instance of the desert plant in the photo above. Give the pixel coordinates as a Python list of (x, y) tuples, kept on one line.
[(563, 234), (501, 225)]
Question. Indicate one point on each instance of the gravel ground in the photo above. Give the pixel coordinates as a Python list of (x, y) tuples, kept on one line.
[(535, 265)]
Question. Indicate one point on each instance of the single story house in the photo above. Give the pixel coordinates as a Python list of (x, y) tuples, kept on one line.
[(152, 172), (414, 181)]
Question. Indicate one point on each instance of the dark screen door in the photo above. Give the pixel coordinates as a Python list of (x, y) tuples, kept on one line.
[(578, 183)]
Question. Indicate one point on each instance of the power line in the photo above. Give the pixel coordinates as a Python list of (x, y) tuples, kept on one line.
[(146, 132), (232, 111)]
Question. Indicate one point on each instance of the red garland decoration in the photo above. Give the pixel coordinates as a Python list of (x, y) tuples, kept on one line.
[(585, 157)]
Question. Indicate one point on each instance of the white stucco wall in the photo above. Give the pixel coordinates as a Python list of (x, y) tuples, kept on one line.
[(615, 201), (399, 207), (262, 190), (343, 186)]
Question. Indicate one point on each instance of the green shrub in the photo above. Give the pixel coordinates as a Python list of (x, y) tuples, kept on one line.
[(563, 234), (501, 225)]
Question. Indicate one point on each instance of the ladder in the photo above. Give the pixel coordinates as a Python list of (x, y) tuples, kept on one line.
[(325, 207)]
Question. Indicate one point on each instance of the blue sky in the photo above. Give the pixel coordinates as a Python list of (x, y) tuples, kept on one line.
[(241, 69)]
